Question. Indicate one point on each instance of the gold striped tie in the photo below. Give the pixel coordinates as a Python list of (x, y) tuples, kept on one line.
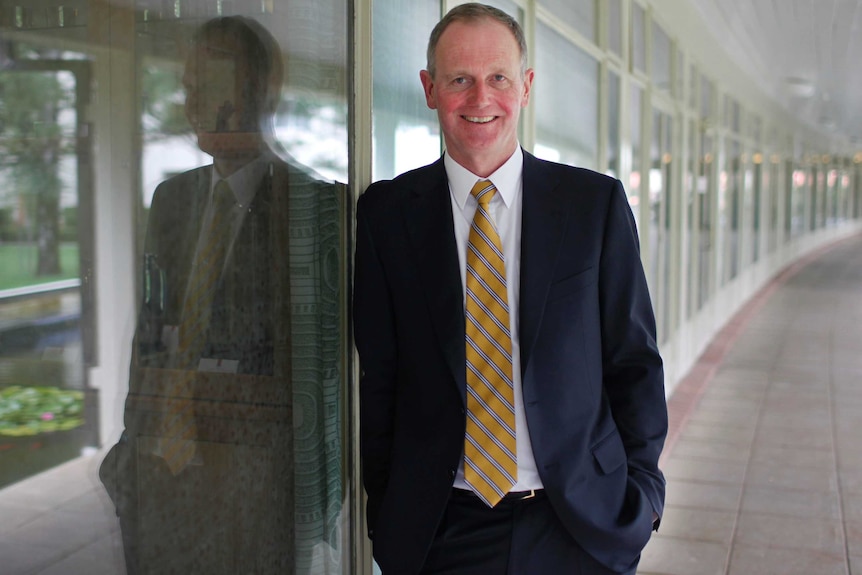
[(180, 431), (490, 462)]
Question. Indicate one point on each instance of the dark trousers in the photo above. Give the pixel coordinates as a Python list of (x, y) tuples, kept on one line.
[(514, 538)]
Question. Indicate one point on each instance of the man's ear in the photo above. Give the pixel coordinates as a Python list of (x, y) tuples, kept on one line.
[(528, 85), (428, 87)]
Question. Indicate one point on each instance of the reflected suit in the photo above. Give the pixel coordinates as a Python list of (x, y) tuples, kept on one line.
[(264, 489)]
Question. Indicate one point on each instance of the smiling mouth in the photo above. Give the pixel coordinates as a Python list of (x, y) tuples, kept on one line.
[(479, 119)]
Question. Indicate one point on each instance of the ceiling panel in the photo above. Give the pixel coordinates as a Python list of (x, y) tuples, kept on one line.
[(807, 54)]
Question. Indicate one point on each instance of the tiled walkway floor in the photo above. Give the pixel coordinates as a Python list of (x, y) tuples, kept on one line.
[(764, 461), (764, 469), (60, 522)]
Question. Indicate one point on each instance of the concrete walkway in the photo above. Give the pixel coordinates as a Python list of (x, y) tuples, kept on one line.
[(764, 459), (764, 463), (60, 522)]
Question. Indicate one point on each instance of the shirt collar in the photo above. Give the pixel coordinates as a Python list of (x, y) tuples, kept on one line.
[(507, 178), (245, 181)]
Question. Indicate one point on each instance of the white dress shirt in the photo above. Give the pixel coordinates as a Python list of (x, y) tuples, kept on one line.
[(505, 209), (244, 184)]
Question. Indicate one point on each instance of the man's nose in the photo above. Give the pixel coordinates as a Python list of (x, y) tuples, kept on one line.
[(479, 94)]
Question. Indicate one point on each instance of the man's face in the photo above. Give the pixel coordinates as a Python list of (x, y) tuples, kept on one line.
[(216, 85), (478, 91)]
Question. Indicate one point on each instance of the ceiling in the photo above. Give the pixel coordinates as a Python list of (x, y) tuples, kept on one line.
[(807, 54)]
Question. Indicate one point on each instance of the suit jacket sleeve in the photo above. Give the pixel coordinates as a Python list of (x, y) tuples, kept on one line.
[(374, 329), (633, 376)]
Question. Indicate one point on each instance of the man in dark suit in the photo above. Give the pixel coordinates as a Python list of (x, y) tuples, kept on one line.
[(512, 399), (236, 360)]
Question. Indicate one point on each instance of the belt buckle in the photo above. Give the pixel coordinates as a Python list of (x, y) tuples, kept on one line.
[(530, 495)]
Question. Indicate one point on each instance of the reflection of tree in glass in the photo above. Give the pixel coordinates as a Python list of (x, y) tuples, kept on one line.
[(32, 142), (162, 102)]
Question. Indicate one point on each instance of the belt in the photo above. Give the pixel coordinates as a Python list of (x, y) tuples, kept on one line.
[(511, 497)]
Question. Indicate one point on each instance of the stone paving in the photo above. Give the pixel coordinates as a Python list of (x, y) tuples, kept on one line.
[(764, 465)]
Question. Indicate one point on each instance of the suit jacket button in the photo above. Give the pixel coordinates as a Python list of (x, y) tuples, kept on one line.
[(451, 474)]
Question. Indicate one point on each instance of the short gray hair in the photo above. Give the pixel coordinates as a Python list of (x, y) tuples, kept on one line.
[(472, 12)]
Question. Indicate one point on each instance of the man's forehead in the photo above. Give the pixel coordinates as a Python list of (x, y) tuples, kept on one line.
[(475, 24)]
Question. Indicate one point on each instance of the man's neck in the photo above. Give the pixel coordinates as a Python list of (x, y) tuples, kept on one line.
[(228, 166), (483, 166)]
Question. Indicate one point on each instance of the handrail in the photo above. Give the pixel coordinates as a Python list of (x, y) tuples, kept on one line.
[(40, 289)]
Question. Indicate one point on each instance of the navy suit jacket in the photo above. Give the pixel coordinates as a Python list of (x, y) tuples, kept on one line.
[(592, 375)]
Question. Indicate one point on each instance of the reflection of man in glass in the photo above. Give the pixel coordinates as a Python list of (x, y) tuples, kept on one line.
[(230, 461)]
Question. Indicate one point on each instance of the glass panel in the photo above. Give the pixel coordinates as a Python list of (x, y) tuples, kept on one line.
[(772, 184), (660, 244), (177, 192), (659, 229), (615, 26), (706, 103), (634, 184), (799, 182), (844, 199), (638, 47), (815, 198), (832, 200), (691, 203), (660, 58), (761, 181), (507, 6), (705, 194), (46, 402), (857, 179), (693, 82), (735, 116), (565, 133), (613, 139), (579, 14), (667, 161), (656, 200), (406, 132), (730, 209)]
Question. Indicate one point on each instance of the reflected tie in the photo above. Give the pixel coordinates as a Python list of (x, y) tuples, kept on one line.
[(490, 463), (178, 447)]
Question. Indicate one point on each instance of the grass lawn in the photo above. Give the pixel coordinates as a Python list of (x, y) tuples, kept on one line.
[(18, 265)]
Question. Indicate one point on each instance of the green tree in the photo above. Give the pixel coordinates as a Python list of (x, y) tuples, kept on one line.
[(162, 103), (32, 141)]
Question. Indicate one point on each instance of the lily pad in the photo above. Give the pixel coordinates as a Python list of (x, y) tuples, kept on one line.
[(34, 410)]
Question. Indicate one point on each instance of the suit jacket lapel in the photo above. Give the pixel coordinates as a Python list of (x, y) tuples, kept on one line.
[(543, 223), (428, 219)]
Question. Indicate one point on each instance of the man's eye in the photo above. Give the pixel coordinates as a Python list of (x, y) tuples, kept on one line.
[(459, 81), (499, 78)]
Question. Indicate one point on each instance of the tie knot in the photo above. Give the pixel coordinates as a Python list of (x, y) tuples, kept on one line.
[(483, 191)]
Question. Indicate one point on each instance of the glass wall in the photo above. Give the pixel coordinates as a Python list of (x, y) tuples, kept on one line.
[(660, 204), (705, 195), (406, 133), (580, 15), (612, 142), (175, 178), (615, 26), (565, 133), (636, 134), (661, 60), (759, 182), (692, 207), (638, 52)]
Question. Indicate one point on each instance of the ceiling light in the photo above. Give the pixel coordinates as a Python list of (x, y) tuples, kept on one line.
[(800, 87)]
